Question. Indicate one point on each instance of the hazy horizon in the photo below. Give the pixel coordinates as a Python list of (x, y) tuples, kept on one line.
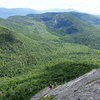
[(87, 6)]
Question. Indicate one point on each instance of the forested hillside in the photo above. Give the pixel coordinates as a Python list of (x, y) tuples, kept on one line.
[(72, 27), (36, 50)]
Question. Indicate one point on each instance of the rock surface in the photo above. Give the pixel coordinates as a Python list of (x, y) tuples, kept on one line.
[(86, 87)]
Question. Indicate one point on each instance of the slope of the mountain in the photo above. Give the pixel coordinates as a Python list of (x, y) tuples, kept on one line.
[(6, 12), (92, 19), (70, 29), (26, 62), (6, 36), (85, 87), (19, 53), (12, 48), (52, 19), (29, 27)]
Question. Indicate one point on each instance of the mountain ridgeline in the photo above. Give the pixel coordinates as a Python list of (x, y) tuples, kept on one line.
[(39, 49), (76, 26), (6, 12)]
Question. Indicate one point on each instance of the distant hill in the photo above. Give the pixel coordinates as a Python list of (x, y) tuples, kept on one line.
[(92, 19), (98, 16), (5, 12), (70, 28), (58, 10)]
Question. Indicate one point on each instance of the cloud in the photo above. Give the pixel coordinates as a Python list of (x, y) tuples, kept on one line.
[(91, 6)]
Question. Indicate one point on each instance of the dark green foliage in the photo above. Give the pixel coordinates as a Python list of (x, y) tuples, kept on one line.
[(67, 71), (71, 30), (6, 36)]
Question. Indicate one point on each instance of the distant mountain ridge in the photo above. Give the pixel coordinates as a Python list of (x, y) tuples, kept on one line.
[(98, 16), (92, 19), (6, 12), (58, 10)]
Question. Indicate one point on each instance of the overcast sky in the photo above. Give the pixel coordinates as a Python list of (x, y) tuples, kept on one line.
[(89, 6)]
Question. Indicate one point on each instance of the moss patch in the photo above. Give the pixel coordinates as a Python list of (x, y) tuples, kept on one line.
[(47, 98)]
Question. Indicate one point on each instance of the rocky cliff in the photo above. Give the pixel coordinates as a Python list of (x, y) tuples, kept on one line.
[(86, 87)]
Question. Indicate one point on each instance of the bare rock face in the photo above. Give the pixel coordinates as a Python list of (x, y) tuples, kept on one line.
[(58, 23), (86, 87)]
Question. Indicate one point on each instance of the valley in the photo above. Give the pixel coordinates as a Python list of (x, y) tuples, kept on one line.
[(39, 49)]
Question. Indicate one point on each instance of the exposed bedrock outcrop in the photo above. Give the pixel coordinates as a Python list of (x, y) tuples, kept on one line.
[(86, 87)]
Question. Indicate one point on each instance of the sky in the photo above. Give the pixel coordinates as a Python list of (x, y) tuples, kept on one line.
[(88, 6)]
